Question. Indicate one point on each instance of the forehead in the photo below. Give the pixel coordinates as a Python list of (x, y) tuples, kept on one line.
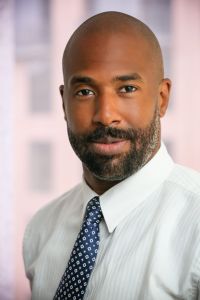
[(108, 51)]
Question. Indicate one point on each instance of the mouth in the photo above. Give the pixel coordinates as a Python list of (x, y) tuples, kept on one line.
[(109, 146)]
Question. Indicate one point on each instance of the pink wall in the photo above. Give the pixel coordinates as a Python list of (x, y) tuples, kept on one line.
[(186, 66)]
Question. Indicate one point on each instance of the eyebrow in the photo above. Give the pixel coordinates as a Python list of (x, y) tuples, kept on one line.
[(81, 79), (88, 80), (132, 76)]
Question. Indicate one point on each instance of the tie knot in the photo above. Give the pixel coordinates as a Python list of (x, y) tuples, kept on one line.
[(93, 213)]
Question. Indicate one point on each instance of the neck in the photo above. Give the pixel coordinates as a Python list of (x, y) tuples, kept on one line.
[(97, 185)]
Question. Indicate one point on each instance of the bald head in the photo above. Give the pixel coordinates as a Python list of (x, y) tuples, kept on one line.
[(113, 80), (115, 23)]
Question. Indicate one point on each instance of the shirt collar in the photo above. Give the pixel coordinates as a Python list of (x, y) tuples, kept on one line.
[(117, 202)]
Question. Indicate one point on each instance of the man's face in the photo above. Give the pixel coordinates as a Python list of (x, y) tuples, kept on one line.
[(113, 101)]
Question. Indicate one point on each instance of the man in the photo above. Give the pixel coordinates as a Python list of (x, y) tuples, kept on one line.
[(139, 237)]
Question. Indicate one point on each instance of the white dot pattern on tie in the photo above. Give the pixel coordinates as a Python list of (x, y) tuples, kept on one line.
[(81, 263)]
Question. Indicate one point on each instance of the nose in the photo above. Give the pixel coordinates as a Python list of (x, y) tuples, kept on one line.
[(106, 110)]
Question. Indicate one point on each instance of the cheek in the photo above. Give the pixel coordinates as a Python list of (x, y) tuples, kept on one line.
[(138, 114), (78, 116)]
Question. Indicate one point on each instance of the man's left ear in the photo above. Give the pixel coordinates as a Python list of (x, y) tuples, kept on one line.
[(164, 91), (61, 89)]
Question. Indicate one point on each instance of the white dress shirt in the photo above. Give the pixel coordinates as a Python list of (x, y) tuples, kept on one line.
[(149, 237)]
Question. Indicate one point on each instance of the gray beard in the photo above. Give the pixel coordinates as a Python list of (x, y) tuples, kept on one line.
[(144, 143)]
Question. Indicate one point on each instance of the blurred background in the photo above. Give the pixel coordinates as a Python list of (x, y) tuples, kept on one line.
[(36, 161)]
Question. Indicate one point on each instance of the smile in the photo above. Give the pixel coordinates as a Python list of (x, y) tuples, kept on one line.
[(110, 146)]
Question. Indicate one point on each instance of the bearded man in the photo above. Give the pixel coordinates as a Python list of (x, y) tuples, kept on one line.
[(136, 212)]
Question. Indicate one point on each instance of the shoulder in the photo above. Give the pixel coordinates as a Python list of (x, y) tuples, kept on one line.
[(45, 221), (187, 182), (182, 191), (52, 210), (180, 211), (186, 179)]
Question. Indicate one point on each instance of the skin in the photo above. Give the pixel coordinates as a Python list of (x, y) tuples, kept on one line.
[(116, 81)]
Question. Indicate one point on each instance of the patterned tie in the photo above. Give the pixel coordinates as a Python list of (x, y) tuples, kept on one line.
[(81, 263)]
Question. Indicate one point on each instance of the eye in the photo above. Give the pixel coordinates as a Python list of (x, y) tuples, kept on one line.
[(128, 89), (84, 92)]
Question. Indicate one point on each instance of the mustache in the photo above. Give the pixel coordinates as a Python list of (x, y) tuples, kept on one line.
[(104, 132)]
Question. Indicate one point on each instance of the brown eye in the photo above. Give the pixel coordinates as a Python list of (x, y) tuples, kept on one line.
[(128, 89), (85, 92)]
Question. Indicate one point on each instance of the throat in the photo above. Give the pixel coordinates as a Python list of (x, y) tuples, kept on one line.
[(97, 185)]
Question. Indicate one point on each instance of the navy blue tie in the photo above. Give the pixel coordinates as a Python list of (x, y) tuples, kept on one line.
[(81, 263)]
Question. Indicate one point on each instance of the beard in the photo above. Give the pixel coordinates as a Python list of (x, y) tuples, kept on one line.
[(143, 144)]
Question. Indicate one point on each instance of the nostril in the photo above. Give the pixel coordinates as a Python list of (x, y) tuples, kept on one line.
[(106, 119)]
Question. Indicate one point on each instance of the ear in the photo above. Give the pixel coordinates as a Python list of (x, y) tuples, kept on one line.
[(164, 92), (61, 89)]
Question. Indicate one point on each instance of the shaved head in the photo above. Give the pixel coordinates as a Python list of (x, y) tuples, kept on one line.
[(113, 96), (115, 23)]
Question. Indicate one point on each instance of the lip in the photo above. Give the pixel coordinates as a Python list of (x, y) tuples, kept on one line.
[(108, 140), (110, 146)]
